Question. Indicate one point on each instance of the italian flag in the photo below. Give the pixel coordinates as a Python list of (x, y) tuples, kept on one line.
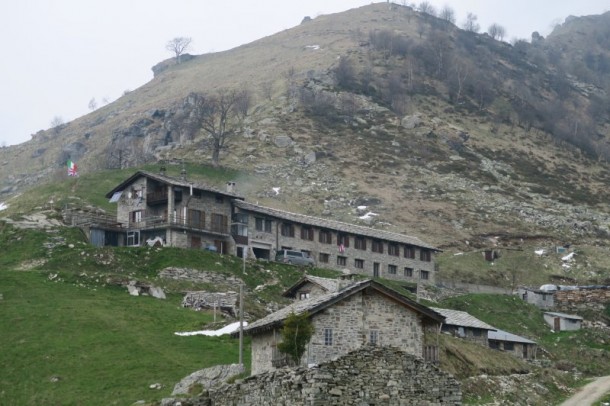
[(71, 168)]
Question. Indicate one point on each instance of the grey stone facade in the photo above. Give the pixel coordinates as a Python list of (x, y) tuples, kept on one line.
[(368, 376), (364, 317), (539, 298)]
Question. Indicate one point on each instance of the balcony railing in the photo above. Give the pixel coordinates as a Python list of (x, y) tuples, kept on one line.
[(160, 221), (431, 354)]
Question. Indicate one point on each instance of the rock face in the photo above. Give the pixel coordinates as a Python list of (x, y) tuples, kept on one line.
[(208, 377), (368, 376)]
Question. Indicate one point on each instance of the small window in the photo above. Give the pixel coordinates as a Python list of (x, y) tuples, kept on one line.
[(425, 255), (393, 249), (410, 252), (425, 275), (325, 237), (509, 346), (343, 239), (392, 269), (328, 336), (219, 199), (341, 261), (306, 233), (136, 216), (303, 295), (359, 263), (409, 272), (324, 257), (360, 243), (287, 230), (374, 337), (259, 223), (477, 332), (377, 246)]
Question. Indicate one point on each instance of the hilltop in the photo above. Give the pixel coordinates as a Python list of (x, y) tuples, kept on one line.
[(448, 135)]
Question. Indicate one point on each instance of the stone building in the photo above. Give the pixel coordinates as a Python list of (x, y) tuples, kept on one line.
[(562, 321), (463, 325), (542, 299), (159, 209), (363, 313), (310, 286), (512, 343)]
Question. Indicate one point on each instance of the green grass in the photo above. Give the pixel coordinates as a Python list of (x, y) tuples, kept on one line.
[(102, 346)]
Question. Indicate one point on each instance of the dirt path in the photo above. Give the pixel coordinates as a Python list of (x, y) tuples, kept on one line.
[(590, 392)]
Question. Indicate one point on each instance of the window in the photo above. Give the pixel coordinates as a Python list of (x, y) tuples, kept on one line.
[(494, 345), (360, 243), (287, 230), (219, 223), (424, 275), (219, 199), (307, 233), (410, 252), (359, 263), (425, 255), (196, 218), (341, 261), (328, 336), (303, 295), (343, 239), (133, 238), (409, 272), (262, 224), (374, 337), (477, 332), (324, 257), (392, 269), (509, 346), (135, 216), (377, 246), (393, 249), (325, 237)]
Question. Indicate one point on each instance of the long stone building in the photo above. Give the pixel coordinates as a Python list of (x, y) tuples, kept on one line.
[(158, 209)]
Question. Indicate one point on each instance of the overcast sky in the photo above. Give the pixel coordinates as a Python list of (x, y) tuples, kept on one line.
[(59, 54)]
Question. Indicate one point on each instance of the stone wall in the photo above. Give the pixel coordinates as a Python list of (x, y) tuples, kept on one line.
[(216, 279), (368, 376), (575, 301)]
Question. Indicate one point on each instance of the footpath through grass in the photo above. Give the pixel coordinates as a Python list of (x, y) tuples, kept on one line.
[(69, 345)]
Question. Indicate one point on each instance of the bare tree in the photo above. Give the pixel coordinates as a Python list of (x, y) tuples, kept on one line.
[(178, 46), (92, 104), (496, 31), (57, 123), (447, 14), (426, 8), (345, 74), (471, 23), (267, 89), (216, 115), (243, 101)]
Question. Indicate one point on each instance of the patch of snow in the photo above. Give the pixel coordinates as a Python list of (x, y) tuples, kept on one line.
[(368, 215), (3, 206), (314, 47), (540, 252), (458, 253), (568, 257), (213, 333), (363, 208), (276, 190)]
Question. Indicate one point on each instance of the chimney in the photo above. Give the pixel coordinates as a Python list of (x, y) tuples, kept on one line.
[(183, 172), (230, 186)]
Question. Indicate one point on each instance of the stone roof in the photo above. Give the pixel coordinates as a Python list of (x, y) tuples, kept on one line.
[(334, 225), (462, 319), (316, 304), (501, 335), (564, 316), (168, 180), (328, 284)]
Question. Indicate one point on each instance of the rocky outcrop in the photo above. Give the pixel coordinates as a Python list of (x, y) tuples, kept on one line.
[(208, 378)]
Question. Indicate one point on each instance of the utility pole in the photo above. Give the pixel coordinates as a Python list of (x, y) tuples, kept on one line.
[(241, 311)]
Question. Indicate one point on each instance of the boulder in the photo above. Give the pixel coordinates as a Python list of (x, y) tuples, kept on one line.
[(282, 141), (208, 377)]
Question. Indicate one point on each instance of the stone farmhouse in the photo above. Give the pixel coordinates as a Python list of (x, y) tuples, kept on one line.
[(563, 322), (360, 314), (463, 325), (159, 209), (516, 345)]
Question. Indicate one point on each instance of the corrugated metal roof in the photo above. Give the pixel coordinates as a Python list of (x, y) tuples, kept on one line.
[(501, 335), (564, 316), (463, 319), (318, 303), (334, 225)]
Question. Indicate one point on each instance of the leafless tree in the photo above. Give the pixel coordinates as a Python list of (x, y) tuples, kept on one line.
[(243, 101), (496, 31), (217, 116), (349, 106), (471, 23), (178, 46), (447, 14), (57, 123), (92, 104), (267, 89), (345, 74), (426, 8)]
